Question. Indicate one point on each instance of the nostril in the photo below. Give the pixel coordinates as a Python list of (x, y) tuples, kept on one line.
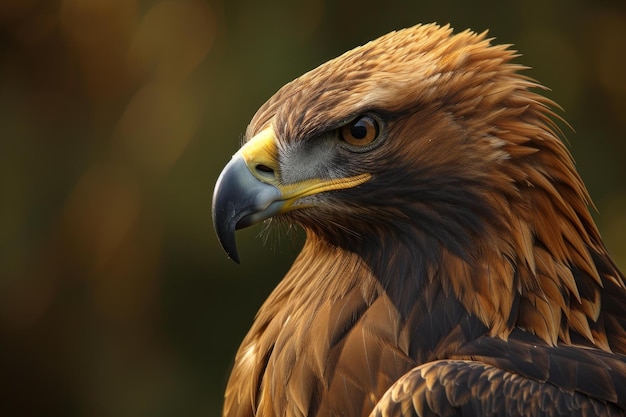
[(264, 169)]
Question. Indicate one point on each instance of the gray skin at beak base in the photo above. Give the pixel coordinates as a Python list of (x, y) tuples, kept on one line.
[(241, 200)]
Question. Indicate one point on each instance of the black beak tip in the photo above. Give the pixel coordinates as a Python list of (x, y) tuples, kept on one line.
[(232, 252), (225, 230), (234, 256), (240, 200)]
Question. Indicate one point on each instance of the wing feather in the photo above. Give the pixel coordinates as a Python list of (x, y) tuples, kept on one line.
[(588, 371), (472, 388)]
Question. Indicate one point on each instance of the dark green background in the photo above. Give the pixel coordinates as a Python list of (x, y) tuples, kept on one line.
[(116, 116)]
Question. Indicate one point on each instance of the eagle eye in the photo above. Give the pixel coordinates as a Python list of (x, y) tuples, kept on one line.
[(362, 131)]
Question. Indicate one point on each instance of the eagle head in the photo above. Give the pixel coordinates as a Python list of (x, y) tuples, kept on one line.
[(426, 153)]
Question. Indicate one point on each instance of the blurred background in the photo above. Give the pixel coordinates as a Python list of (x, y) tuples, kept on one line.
[(116, 117)]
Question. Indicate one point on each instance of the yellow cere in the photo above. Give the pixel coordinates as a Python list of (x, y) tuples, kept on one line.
[(262, 150)]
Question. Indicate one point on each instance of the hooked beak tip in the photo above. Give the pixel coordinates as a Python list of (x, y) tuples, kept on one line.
[(240, 200)]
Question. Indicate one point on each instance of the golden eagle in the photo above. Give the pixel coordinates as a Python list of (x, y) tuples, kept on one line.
[(451, 266)]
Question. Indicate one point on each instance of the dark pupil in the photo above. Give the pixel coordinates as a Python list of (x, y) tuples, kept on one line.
[(358, 131)]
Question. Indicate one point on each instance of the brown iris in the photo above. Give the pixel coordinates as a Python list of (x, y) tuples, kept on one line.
[(361, 131)]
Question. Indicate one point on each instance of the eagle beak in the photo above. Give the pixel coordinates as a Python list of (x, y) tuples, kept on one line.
[(242, 198), (249, 189)]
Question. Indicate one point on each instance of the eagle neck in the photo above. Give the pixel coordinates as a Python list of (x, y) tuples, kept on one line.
[(410, 287), (322, 340)]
